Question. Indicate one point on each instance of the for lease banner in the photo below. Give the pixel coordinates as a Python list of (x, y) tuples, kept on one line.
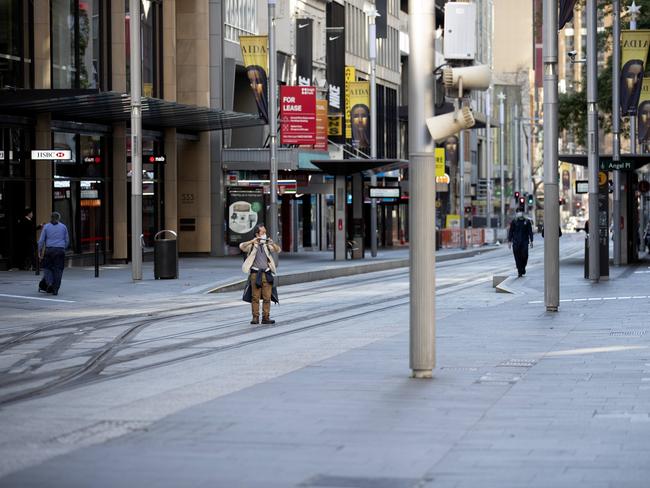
[(298, 115)]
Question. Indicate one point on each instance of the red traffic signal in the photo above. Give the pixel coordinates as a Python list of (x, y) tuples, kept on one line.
[(517, 195)]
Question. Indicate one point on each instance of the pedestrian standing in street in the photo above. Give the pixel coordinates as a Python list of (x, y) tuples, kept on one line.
[(260, 268), (28, 230), (520, 235), (52, 244)]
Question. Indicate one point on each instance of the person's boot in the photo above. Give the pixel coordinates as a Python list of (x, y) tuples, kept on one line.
[(255, 321), (268, 321)]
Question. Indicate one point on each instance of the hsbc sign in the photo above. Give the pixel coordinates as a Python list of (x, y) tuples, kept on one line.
[(52, 155)]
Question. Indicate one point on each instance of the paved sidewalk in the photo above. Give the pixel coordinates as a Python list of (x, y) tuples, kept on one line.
[(520, 398), (204, 274)]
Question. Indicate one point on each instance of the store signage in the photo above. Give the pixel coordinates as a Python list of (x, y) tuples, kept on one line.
[(153, 158), (298, 115), (385, 192), (321, 125), (92, 159), (52, 155), (89, 194), (582, 187)]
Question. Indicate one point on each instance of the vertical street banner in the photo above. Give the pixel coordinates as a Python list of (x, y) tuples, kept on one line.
[(643, 113), (440, 161), (382, 19), (634, 57), (304, 50), (335, 52), (360, 114), (350, 76), (255, 54), (298, 115), (321, 125), (245, 211)]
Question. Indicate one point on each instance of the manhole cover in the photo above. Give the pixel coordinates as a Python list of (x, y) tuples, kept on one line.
[(517, 363), (628, 333)]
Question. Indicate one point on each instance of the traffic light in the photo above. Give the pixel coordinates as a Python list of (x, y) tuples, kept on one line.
[(522, 204), (531, 199), (517, 195)]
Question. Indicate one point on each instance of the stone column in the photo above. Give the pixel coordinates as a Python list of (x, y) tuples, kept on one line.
[(120, 197), (171, 181)]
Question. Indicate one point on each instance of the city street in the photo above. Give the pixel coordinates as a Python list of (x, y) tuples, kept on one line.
[(323, 398)]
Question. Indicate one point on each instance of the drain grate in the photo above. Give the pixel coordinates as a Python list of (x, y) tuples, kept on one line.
[(517, 363), (498, 379), (460, 368), (326, 481), (628, 333)]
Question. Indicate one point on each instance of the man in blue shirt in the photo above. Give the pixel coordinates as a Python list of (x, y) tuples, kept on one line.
[(52, 244)]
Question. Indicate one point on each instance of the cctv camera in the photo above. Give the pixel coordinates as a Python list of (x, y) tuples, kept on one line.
[(572, 55), (442, 126)]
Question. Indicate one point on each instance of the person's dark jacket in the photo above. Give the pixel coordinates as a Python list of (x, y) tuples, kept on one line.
[(520, 232)]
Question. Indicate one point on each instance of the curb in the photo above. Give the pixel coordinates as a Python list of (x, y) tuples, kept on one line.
[(326, 274)]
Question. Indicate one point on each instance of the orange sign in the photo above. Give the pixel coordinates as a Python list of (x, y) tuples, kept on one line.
[(321, 125)]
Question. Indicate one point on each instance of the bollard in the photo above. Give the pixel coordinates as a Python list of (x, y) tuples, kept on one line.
[(96, 259)]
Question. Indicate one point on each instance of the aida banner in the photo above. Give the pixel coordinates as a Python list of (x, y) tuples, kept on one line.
[(298, 115), (643, 113), (360, 114), (634, 56), (350, 76), (255, 54)]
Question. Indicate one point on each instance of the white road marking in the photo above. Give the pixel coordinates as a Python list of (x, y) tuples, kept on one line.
[(593, 299), (37, 298)]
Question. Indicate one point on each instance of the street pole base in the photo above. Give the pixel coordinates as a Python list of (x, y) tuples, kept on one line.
[(552, 308), (422, 374)]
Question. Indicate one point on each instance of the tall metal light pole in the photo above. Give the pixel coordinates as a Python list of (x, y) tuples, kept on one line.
[(633, 13), (616, 127), (592, 140), (136, 140), (488, 113), (372, 13), (422, 188), (502, 155), (551, 189), (461, 184), (516, 164), (273, 123)]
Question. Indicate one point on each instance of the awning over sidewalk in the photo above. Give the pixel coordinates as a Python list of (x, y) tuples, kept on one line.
[(107, 107), (346, 167)]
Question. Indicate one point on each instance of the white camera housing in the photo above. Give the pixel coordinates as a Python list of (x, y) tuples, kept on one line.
[(442, 126)]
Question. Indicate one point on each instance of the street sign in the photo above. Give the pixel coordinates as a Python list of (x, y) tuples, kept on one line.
[(582, 187), (621, 165), (385, 192), (52, 155), (298, 115)]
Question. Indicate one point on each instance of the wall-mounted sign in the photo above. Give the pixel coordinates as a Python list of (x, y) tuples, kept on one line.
[(52, 155), (443, 180), (156, 158), (582, 187), (385, 192), (92, 159), (298, 115)]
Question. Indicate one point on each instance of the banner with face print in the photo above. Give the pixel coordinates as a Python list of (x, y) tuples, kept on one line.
[(255, 53), (643, 113), (360, 114), (634, 56)]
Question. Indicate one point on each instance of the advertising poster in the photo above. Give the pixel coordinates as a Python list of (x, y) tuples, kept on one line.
[(298, 115), (245, 211), (321, 125), (440, 161), (643, 113), (255, 54), (350, 76), (360, 114), (304, 49), (634, 56), (335, 52)]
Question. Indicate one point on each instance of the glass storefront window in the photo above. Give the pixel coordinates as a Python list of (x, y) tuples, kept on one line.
[(16, 44), (76, 46)]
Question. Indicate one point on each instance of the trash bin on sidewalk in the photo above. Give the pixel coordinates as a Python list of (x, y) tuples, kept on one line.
[(165, 255)]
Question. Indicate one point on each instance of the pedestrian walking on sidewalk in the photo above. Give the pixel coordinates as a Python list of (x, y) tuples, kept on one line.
[(52, 244), (520, 235), (260, 268), (28, 230)]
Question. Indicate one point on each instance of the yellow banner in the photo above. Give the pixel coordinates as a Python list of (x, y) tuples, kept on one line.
[(359, 121), (334, 125), (634, 57), (254, 50), (440, 161), (643, 113), (350, 76), (634, 45)]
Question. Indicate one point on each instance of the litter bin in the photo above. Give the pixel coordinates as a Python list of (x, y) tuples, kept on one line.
[(165, 255)]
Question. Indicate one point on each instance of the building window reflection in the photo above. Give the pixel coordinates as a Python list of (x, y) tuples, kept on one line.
[(16, 44)]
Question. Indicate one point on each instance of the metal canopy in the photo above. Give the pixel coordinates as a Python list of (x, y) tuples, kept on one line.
[(108, 106), (347, 167), (628, 162)]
